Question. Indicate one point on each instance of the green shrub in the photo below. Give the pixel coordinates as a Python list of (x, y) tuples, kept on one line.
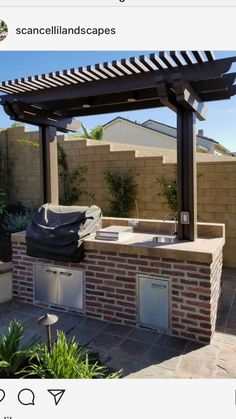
[(66, 360), (169, 192), (26, 359), (71, 180), (95, 134), (5, 178), (123, 192), (17, 222), (13, 353)]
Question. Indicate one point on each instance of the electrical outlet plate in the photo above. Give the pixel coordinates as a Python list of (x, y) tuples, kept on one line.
[(184, 217)]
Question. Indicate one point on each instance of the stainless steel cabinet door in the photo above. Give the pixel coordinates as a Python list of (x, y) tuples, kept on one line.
[(153, 302), (46, 284), (70, 288)]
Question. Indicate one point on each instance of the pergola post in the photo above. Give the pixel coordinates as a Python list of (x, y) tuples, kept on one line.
[(186, 174), (49, 166)]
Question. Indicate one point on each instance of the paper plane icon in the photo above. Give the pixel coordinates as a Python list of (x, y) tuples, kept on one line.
[(57, 394)]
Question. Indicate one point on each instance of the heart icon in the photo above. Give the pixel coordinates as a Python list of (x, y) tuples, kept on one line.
[(2, 395)]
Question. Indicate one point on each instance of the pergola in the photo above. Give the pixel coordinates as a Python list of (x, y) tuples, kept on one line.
[(181, 81)]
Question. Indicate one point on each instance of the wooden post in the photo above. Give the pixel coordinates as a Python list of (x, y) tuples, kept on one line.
[(49, 166), (186, 173)]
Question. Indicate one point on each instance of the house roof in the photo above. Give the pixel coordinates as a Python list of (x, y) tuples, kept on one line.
[(169, 126), (156, 130), (137, 124)]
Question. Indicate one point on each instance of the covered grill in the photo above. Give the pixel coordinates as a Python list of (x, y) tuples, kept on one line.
[(56, 232)]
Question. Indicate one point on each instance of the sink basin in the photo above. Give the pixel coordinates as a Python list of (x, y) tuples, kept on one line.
[(164, 239)]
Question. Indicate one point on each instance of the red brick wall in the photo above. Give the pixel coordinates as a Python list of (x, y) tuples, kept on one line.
[(110, 288)]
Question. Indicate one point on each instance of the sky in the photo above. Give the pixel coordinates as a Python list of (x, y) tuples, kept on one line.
[(220, 122)]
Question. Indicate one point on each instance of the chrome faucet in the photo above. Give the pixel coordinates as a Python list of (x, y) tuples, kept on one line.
[(175, 220)]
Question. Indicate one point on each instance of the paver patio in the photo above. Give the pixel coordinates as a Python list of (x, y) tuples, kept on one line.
[(141, 353)]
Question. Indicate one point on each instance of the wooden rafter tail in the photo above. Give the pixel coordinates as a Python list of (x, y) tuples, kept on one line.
[(210, 55), (177, 58), (199, 56), (188, 57), (167, 59)]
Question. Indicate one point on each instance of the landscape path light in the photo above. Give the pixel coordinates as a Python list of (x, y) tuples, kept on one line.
[(48, 320)]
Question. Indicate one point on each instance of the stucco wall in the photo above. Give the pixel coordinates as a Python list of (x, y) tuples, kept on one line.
[(120, 130)]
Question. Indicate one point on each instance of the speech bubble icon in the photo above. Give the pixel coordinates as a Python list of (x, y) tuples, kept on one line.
[(2, 395), (26, 397)]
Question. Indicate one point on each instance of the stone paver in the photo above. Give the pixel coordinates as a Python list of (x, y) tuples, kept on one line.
[(142, 353)]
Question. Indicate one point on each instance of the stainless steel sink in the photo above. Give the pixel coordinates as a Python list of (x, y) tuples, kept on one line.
[(164, 239)]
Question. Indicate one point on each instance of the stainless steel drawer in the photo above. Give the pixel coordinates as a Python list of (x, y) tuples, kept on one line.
[(58, 286)]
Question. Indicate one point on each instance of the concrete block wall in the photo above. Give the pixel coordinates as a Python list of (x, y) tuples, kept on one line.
[(24, 165), (100, 158), (217, 201), (216, 179)]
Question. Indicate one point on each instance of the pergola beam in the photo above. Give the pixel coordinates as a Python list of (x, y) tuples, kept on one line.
[(186, 96), (120, 107), (105, 100), (166, 97), (30, 115), (215, 84)]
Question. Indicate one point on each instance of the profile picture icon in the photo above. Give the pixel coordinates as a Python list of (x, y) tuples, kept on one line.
[(3, 30)]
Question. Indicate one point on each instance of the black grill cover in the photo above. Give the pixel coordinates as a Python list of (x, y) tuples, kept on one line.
[(56, 232)]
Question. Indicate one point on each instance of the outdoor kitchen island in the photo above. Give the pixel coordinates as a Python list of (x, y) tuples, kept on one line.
[(170, 287)]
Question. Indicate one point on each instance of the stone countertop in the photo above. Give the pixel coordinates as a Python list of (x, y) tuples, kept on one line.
[(203, 250)]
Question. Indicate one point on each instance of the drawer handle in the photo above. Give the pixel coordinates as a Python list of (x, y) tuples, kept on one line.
[(65, 273), (158, 286), (50, 271)]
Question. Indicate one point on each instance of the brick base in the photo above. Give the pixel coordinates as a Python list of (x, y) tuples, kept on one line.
[(111, 282)]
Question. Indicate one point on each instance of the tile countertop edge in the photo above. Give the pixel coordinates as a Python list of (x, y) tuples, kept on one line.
[(202, 250), (210, 249)]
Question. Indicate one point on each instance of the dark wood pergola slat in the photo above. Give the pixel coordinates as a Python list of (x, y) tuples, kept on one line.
[(116, 69), (119, 66), (188, 57), (39, 79), (180, 80), (148, 63), (80, 76), (177, 58), (199, 56), (113, 69), (15, 87), (159, 63), (210, 55), (167, 59), (6, 88), (139, 64)]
